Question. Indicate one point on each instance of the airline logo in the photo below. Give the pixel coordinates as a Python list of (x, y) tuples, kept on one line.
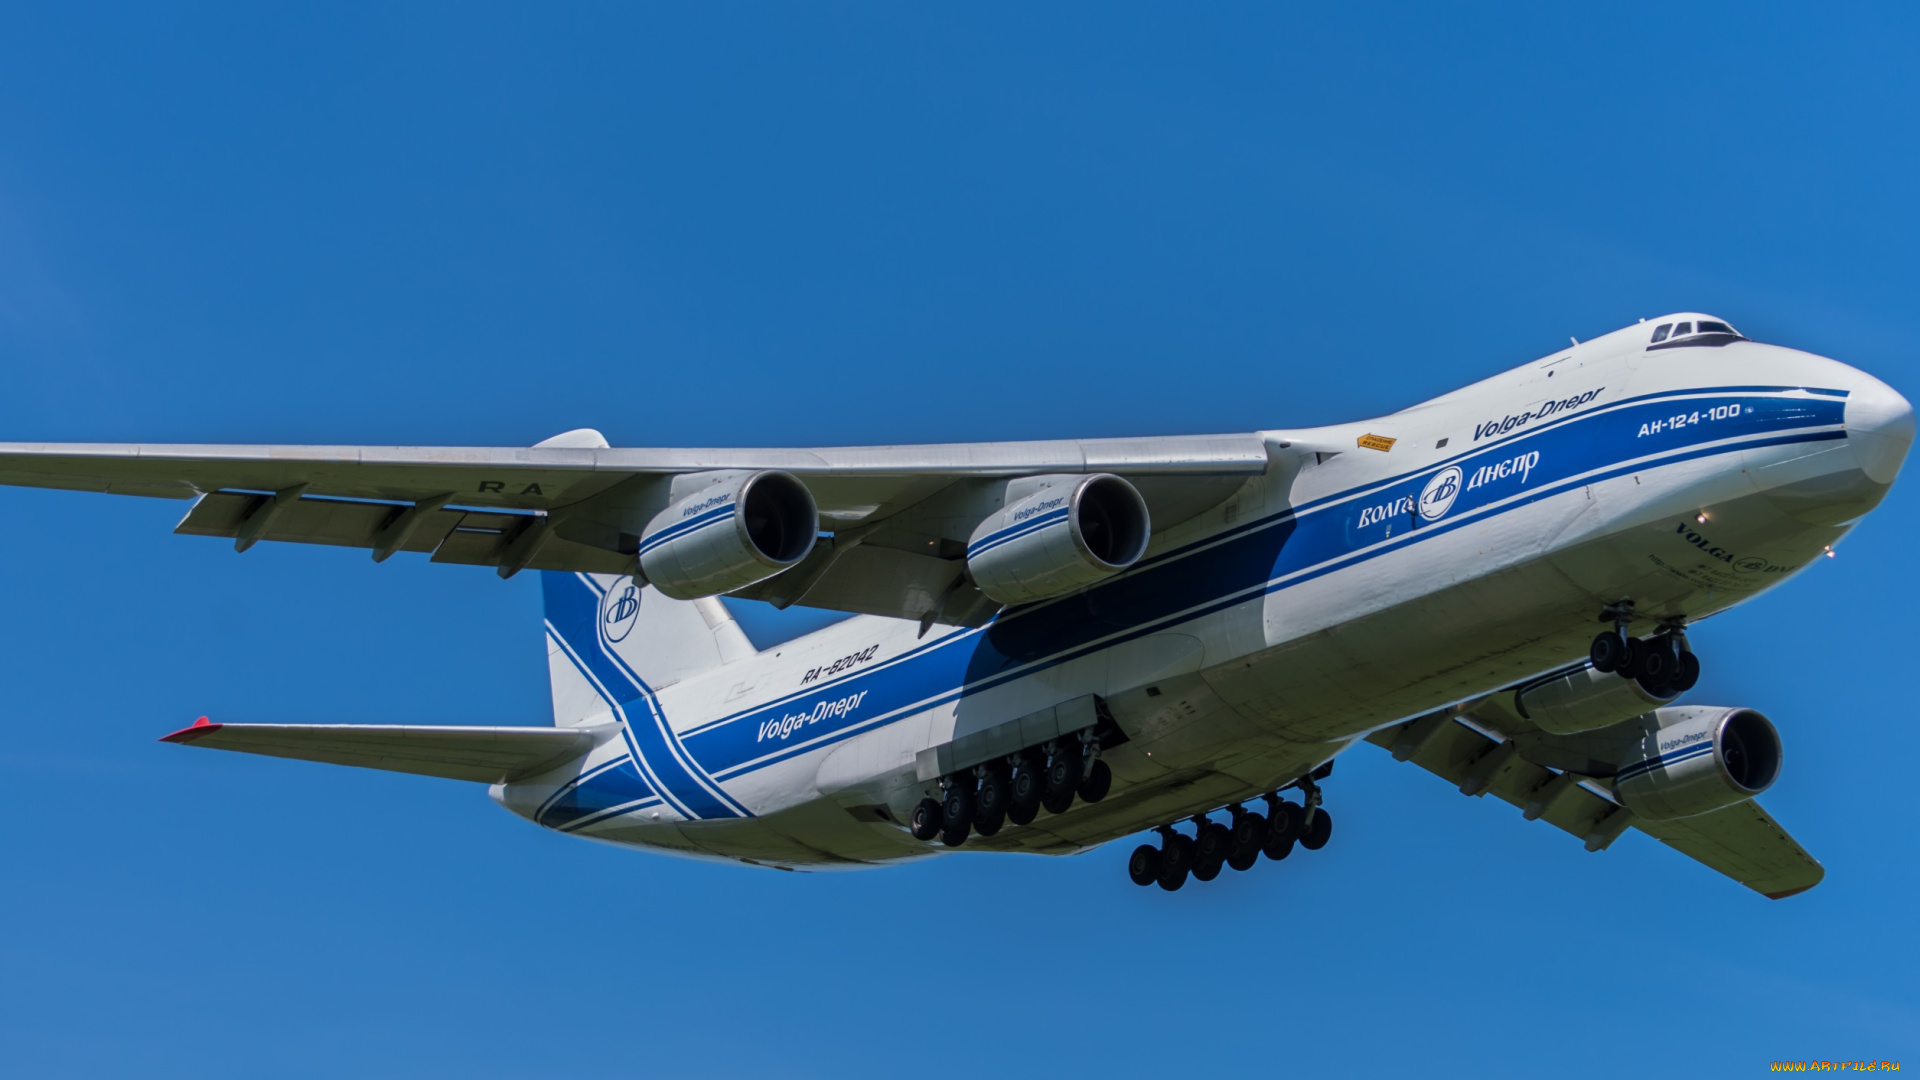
[(620, 609), (1437, 497)]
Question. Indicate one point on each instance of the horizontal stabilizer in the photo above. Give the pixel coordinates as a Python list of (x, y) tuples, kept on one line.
[(482, 754)]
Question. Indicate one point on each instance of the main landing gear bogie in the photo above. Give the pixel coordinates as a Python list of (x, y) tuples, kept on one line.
[(1013, 790), (1239, 844), (1663, 664)]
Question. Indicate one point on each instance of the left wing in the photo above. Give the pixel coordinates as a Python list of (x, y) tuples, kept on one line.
[(574, 503), (1740, 841)]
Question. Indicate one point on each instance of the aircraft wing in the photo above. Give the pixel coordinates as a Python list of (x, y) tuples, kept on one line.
[(483, 754), (1740, 841), (574, 503)]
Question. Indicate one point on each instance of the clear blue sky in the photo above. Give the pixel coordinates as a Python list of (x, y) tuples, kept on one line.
[(791, 224)]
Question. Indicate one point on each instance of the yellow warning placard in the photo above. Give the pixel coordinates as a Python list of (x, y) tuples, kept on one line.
[(1375, 442)]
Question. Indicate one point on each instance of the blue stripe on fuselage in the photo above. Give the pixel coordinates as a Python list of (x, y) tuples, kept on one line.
[(1319, 537)]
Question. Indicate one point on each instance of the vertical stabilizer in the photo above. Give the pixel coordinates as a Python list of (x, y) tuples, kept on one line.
[(607, 637)]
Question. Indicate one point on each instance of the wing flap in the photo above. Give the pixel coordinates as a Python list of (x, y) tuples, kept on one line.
[(482, 754)]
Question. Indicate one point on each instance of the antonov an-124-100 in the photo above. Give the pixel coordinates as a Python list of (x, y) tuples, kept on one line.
[(1058, 644)]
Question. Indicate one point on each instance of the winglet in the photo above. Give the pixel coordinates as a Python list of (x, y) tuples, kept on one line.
[(202, 726)]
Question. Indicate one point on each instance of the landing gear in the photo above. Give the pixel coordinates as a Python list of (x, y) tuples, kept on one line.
[(958, 808), (1064, 768), (1029, 786), (1317, 829), (1662, 664), (926, 820), (1144, 866), (1239, 844), (1212, 844), (1176, 858), (990, 805), (1249, 836), (1099, 781), (1283, 828)]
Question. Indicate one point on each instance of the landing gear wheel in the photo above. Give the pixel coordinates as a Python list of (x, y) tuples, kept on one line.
[(1249, 836), (1654, 664), (990, 809), (1144, 866), (1687, 675), (1063, 776), (1215, 842), (1318, 831), (1176, 858), (1283, 828), (959, 812), (1023, 796), (1608, 652), (1099, 781), (926, 820)]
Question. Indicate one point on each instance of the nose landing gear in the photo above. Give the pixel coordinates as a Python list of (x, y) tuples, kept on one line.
[(1663, 664)]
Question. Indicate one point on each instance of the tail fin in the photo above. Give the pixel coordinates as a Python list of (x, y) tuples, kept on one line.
[(608, 636)]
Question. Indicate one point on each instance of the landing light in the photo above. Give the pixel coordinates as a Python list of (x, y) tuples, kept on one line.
[(1829, 550), (1701, 517)]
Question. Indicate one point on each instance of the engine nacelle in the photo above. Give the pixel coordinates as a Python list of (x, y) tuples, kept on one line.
[(1066, 535), (729, 535), (1583, 699), (1697, 760)]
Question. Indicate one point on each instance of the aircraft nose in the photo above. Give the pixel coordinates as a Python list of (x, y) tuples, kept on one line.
[(1880, 428)]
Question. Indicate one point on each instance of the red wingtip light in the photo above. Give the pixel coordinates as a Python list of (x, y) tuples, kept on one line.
[(202, 726)]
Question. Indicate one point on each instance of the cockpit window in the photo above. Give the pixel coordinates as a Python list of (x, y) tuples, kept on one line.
[(1708, 327), (1693, 334), (1660, 332), (1683, 329)]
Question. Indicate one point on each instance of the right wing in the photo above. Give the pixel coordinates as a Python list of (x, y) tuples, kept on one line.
[(1740, 841)]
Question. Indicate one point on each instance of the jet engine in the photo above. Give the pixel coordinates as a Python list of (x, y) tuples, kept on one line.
[(1069, 534), (1697, 760), (729, 535), (1570, 702)]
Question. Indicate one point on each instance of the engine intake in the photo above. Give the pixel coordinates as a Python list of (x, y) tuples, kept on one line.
[(729, 535), (1069, 534), (1570, 702), (1697, 760)]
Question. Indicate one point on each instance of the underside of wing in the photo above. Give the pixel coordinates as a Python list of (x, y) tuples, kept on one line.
[(1740, 841), (482, 754)]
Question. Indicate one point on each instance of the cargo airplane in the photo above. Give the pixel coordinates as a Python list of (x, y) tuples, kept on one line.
[(1059, 644)]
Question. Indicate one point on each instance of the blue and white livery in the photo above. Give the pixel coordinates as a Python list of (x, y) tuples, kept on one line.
[(1059, 644)]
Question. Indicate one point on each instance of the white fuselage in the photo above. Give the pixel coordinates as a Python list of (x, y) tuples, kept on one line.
[(1347, 589)]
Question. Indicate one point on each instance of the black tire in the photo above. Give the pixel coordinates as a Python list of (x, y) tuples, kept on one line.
[(1249, 836), (1283, 829), (1177, 854), (1653, 663), (1144, 866), (1064, 771), (1318, 831), (1176, 859), (1607, 653), (1688, 674), (960, 804), (1099, 781), (927, 820), (1211, 850), (1024, 794), (953, 834), (1171, 880), (990, 803)]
